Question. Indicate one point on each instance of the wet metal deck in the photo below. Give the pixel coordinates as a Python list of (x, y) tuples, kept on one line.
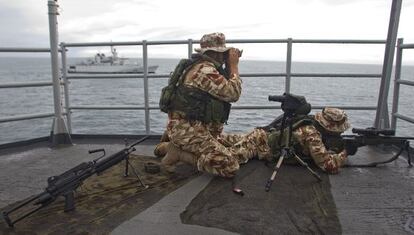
[(369, 200), (374, 200)]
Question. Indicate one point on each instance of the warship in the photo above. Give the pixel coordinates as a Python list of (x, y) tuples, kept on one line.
[(102, 64)]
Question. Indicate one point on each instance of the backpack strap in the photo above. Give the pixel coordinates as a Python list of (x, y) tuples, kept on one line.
[(302, 120)]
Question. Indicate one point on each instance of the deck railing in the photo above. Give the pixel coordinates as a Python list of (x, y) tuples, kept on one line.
[(25, 84), (145, 44), (397, 83), (288, 74)]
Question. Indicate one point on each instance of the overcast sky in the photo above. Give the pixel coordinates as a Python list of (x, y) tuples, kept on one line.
[(24, 23)]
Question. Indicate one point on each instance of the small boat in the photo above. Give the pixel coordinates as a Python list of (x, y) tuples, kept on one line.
[(109, 64)]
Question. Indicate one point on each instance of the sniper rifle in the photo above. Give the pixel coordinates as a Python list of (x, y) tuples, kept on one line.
[(373, 136)]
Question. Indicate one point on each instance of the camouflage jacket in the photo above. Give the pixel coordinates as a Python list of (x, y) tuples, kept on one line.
[(310, 140), (206, 77)]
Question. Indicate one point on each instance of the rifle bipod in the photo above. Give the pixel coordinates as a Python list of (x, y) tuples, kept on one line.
[(286, 153), (127, 163), (126, 173)]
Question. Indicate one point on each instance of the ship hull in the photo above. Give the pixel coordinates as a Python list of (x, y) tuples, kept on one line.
[(102, 69)]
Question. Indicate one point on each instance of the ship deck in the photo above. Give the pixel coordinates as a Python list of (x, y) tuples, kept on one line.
[(363, 200)]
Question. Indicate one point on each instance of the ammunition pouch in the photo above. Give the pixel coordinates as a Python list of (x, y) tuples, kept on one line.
[(167, 94), (194, 103), (200, 105)]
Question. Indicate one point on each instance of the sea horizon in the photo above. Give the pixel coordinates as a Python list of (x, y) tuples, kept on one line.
[(318, 91)]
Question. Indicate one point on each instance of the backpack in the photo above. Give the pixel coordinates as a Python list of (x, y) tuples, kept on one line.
[(168, 92)]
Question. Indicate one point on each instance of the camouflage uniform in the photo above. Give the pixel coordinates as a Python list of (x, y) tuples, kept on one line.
[(216, 153), (332, 120), (310, 140)]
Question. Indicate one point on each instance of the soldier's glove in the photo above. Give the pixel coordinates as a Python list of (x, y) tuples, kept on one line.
[(233, 56), (351, 148)]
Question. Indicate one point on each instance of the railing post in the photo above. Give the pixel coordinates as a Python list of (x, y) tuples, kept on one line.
[(59, 133), (190, 48), (146, 98), (288, 65), (66, 87), (397, 78), (382, 118)]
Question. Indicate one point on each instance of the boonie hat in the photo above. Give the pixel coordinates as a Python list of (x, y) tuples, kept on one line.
[(333, 119), (213, 42)]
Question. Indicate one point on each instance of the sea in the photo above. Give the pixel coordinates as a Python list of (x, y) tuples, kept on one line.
[(255, 91)]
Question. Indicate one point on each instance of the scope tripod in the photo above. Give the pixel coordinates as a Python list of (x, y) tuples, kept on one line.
[(287, 150)]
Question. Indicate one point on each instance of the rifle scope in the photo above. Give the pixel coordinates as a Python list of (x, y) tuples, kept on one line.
[(372, 131)]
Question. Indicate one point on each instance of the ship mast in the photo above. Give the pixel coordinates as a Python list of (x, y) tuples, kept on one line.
[(382, 120), (59, 133)]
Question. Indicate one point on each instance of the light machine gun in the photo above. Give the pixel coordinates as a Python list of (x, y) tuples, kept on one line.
[(372, 136), (66, 183)]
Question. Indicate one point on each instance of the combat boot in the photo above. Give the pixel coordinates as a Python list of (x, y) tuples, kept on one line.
[(161, 149), (175, 155)]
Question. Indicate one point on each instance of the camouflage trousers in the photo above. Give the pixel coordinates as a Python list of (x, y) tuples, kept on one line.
[(217, 153)]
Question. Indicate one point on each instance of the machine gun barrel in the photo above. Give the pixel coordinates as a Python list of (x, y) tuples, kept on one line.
[(117, 157), (110, 161)]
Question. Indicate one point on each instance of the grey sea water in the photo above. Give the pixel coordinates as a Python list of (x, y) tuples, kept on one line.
[(318, 91)]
